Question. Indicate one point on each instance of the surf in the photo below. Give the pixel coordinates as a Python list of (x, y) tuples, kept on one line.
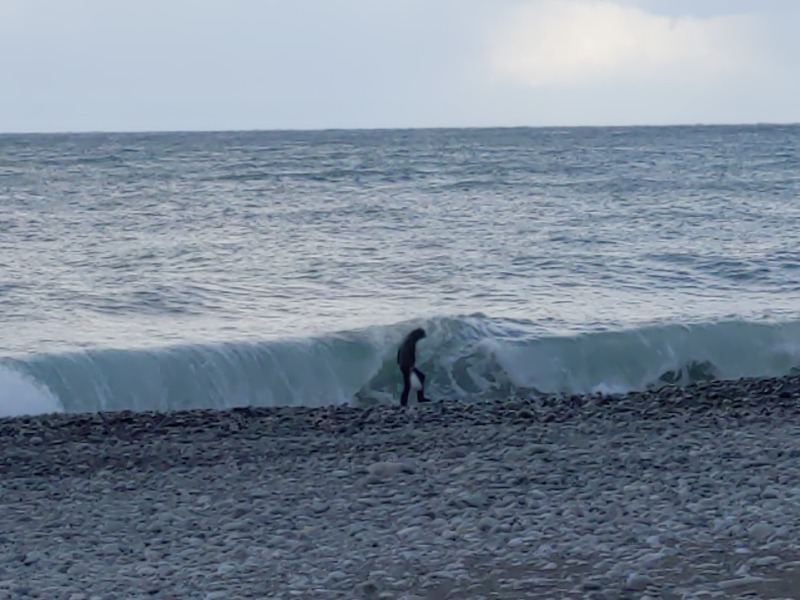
[(465, 358)]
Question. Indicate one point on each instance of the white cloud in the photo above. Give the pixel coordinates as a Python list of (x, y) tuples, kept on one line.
[(569, 42)]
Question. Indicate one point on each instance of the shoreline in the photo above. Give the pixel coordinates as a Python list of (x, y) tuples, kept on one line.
[(724, 394), (682, 493)]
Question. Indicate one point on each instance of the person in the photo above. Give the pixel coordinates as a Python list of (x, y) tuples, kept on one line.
[(406, 359)]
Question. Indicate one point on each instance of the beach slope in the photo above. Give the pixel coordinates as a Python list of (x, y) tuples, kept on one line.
[(681, 493)]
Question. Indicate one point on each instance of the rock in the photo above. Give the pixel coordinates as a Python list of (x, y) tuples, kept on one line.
[(389, 469), (638, 582), (487, 524), (493, 514), (383, 471), (146, 570), (589, 585), (111, 548), (240, 512), (225, 568), (335, 576), (368, 589), (761, 532), (409, 532), (765, 561), (651, 559), (474, 499), (730, 584), (237, 525), (450, 534)]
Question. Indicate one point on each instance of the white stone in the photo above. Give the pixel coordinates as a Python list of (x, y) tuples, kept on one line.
[(765, 561), (638, 582), (389, 469)]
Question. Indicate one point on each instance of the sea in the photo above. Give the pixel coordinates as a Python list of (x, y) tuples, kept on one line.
[(165, 271)]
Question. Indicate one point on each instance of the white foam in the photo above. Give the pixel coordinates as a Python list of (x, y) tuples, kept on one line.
[(464, 357), (415, 382), (19, 395)]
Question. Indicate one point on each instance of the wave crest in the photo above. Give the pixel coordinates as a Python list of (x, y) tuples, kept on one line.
[(463, 357)]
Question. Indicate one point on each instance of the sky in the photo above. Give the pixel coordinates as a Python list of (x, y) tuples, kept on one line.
[(167, 65)]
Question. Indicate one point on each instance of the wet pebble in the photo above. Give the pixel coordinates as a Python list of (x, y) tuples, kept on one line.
[(593, 497)]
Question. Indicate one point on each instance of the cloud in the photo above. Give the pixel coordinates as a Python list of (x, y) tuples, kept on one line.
[(569, 42)]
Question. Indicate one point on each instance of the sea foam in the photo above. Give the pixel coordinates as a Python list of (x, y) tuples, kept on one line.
[(464, 358)]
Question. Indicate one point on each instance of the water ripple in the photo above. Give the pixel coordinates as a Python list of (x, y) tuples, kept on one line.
[(143, 237)]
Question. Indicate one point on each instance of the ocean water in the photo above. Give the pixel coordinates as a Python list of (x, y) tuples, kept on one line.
[(176, 270)]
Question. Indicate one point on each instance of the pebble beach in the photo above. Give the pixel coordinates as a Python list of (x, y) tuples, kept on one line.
[(679, 493)]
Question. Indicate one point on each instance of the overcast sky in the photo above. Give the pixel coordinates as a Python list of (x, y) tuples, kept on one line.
[(132, 65)]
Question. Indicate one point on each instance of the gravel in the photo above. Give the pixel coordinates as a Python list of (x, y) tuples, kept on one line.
[(679, 493)]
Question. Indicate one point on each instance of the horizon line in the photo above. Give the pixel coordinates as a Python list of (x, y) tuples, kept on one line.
[(412, 128)]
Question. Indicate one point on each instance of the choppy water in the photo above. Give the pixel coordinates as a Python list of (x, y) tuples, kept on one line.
[(217, 269)]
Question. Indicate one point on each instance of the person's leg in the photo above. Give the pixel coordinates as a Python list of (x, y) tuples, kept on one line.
[(421, 391), (406, 387)]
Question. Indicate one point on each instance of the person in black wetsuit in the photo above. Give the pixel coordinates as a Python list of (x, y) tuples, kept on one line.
[(406, 359)]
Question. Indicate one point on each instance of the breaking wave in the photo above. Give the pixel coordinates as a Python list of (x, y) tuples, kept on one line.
[(464, 358)]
